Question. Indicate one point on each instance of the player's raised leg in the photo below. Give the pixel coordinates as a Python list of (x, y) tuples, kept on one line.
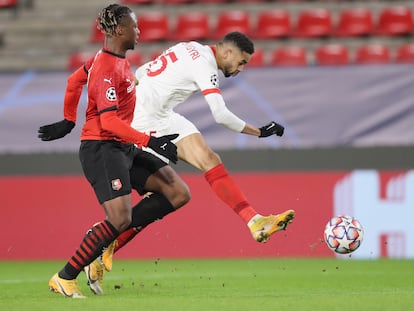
[(194, 150)]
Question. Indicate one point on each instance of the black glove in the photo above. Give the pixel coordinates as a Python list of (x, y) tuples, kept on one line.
[(55, 130), (163, 146), (271, 129)]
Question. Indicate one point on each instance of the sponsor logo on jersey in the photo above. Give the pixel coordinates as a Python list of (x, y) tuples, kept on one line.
[(111, 94), (131, 85)]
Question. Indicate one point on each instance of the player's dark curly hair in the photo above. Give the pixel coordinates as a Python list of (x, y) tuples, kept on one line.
[(111, 16), (240, 40)]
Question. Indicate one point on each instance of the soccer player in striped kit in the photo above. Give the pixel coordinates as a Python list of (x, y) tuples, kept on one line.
[(110, 159)]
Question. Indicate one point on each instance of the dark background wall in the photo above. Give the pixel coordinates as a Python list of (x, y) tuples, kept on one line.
[(382, 158)]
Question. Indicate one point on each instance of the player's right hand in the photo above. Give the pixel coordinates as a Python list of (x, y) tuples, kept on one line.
[(163, 146), (55, 130)]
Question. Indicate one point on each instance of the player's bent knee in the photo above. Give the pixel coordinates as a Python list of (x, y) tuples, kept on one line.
[(121, 223), (184, 197), (180, 196), (210, 160)]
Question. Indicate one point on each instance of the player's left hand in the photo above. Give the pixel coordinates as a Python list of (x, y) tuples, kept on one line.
[(272, 128), (55, 130), (164, 146)]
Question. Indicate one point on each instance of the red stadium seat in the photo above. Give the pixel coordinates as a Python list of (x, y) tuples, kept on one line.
[(154, 55), (78, 59), (257, 59), (153, 26), (250, 1), (372, 54), (191, 26), (394, 21), (175, 2), (314, 23), (138, 2), (11, 5), (6, 4), (332, 54), (272, 24), (355, 22), (405, 53), (97, 36), (289, 56), (134, 58), (229, 21), (212, 1)]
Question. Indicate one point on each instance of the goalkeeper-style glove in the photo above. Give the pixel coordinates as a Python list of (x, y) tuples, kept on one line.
[(272, 128), (55, 130), (163, 146)]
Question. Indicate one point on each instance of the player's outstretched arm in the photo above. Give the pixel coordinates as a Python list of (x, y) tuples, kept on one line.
[(57, 130), (225, 117), (222, 115)]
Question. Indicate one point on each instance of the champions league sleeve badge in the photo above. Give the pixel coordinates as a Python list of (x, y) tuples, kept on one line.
[(214, 80), (111, 94)]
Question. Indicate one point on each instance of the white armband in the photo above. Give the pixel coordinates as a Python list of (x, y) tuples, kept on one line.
[(222, 115)]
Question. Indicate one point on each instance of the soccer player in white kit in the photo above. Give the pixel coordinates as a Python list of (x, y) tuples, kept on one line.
[(180, 71)]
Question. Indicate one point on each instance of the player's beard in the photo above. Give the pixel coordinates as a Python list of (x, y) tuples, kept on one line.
[(227, 73), (130, 46)]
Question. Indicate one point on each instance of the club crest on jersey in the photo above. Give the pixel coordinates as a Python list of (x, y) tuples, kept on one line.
[(111, 94), (214, 80), (116, 184)]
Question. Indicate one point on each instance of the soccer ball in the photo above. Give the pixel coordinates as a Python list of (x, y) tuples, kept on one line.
[(343, 234)]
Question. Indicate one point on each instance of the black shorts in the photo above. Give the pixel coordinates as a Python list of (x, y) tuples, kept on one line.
[(113, 168)]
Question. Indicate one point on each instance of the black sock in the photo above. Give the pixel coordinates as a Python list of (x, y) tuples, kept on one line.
[(150, 209), (98, 237)]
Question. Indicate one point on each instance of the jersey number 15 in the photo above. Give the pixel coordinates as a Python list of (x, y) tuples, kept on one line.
[(160, 63)]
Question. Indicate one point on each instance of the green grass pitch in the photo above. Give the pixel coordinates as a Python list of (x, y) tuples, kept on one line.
[(241, 284)]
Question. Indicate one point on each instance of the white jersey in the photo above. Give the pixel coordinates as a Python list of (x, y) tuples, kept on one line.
[(179, 72)]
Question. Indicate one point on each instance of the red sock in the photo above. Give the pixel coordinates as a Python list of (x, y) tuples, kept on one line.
[(125, 237), (227, 190)]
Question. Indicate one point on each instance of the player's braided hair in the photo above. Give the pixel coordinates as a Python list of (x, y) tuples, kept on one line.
[(111, 16), (240, 40)]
